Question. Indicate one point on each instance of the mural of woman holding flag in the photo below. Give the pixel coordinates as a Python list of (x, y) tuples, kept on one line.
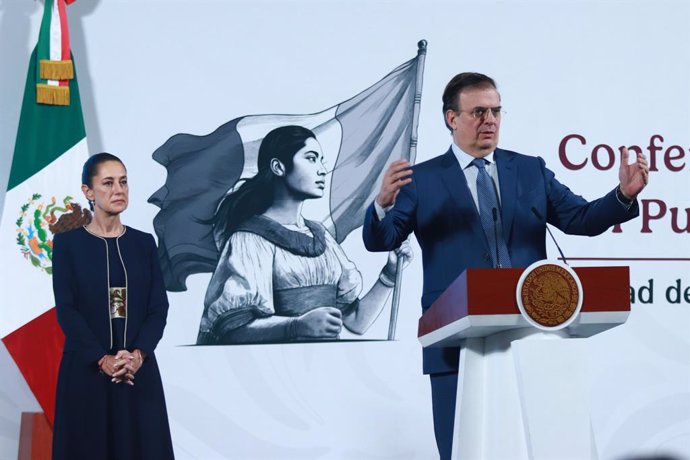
[(281, 277), (232, 206)]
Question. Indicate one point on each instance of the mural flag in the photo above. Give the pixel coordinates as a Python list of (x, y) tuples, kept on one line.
[(40, 201), (359, 137)]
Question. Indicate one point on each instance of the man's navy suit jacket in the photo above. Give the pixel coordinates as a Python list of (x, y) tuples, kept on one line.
[(438, 207)]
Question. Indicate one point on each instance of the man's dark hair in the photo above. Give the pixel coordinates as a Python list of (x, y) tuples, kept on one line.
[(451, 95)]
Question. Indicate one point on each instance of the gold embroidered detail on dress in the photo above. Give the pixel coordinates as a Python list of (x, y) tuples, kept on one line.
[(118, 302)]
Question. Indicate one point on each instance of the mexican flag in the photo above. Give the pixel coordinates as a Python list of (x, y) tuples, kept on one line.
[(43, 195)]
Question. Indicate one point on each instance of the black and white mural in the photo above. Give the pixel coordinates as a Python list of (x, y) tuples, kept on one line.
[(234, 204)]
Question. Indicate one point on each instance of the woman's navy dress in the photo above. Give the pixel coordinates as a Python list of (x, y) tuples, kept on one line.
[(109, 296)]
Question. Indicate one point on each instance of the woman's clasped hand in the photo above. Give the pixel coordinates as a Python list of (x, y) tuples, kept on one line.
[(122, 366)]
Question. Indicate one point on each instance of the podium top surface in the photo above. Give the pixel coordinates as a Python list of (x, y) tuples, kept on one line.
[(483, 292)]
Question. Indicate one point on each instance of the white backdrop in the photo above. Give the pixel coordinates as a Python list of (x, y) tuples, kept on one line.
[(614, 72)]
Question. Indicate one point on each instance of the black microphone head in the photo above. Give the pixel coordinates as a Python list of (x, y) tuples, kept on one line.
[(536, 213), (494, 213)]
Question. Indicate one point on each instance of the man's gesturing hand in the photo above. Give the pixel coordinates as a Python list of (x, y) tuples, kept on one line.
[(396, 177), (633, 177)]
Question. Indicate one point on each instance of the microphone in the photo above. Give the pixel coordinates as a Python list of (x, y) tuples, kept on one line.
[(494, 214), (536, 213)]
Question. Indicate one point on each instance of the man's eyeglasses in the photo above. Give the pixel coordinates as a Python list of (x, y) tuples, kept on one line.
[(479, 113)]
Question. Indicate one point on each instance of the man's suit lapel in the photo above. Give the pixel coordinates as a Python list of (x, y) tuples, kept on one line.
[(454, 179), (507, 177)]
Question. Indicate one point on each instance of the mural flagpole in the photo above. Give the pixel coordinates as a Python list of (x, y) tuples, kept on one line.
[(421, 56)]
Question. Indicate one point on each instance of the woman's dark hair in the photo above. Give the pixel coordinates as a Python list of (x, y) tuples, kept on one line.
[(256, 195), (90, 168)]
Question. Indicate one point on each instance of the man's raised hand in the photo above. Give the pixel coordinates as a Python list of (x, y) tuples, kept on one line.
[(396, 177)]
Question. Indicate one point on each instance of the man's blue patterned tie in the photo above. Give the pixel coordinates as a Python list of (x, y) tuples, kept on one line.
[(488, 200)]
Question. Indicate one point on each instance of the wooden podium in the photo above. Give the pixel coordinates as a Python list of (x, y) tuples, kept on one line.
[(523, 393)]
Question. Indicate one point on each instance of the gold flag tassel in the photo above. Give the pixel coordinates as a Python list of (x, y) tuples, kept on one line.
[(56, 70), (52, 95)]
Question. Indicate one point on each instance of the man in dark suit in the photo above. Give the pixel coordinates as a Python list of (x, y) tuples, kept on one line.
[(473, 206)]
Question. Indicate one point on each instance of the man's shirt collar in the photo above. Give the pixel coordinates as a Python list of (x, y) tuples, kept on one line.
[(465, 158)]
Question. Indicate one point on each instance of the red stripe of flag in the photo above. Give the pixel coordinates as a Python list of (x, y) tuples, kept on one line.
[(64, 33), (36, 348)]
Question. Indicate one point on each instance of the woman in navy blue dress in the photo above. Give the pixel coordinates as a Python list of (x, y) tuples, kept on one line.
[(112, 306)]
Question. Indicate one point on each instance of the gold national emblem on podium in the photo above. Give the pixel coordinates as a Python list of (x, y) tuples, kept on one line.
[(549, 295)]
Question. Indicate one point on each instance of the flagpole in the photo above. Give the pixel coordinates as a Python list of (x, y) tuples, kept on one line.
[(421, 56)]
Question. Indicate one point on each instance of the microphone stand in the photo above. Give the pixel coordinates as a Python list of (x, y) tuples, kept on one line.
[(536, 213)]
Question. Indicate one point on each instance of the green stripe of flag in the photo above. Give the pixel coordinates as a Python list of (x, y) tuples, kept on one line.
[(45, 131)]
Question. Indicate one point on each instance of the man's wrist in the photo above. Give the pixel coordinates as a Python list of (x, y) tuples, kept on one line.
[(623, 199), (380, 210)]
